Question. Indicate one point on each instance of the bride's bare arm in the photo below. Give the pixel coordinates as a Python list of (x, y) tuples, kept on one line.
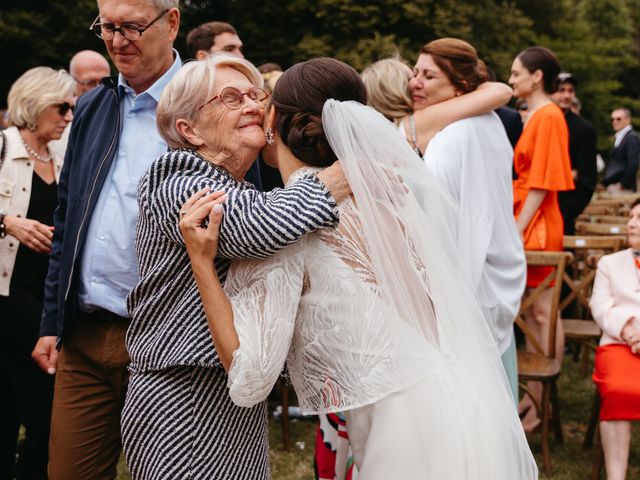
[(432, 119), (202, 246)]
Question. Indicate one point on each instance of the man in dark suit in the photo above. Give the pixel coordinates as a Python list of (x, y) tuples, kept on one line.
[(622, 168), (512, 122), (582, 151)]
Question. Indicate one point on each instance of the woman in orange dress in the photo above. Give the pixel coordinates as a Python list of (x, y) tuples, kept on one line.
[(541, 160), (615, 305)]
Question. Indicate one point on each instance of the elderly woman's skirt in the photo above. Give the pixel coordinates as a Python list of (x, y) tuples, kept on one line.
[(180, 423), (617, 376)]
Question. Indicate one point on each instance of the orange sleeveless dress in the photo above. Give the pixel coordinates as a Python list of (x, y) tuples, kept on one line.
[(541, 160)]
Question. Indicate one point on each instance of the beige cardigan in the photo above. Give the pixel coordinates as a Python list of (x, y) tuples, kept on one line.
[(15, 195), (616, 295)]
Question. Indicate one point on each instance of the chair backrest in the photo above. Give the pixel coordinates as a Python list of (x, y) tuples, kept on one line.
[(557, 260), (593, 209), (586, 252), (587, 228), (625, 198), (610, 219), (611, 201)]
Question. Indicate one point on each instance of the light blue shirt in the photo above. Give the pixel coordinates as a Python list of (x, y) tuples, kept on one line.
[(109, 267)]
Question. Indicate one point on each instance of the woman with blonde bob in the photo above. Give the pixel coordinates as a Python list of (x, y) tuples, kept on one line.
[(178, 420), (40, 107)]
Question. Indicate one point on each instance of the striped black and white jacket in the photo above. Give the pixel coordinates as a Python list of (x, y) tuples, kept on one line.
[(169, 327)]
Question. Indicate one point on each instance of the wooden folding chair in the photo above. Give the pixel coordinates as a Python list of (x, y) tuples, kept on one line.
[(586, 250), (540, 366), (584, 228)]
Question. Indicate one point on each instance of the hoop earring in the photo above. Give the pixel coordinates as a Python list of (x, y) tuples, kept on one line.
[(268, 135)]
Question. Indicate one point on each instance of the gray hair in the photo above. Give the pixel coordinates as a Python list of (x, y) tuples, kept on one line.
[(190, 88), (34, 91)]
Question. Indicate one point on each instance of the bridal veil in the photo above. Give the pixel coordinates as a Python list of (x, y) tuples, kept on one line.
[(408, 224)]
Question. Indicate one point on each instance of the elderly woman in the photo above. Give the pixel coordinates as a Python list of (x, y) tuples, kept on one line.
[(373, 317), (40, 107), (178, 420), (615, 306)]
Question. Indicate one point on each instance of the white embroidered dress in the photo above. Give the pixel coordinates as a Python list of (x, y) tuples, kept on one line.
[(375, 319), (316, 304)]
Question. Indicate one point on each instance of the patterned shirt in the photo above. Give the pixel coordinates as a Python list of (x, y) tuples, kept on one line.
[(169, 326)]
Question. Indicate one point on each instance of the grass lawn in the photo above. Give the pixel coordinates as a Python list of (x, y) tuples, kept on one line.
[(570, 461)]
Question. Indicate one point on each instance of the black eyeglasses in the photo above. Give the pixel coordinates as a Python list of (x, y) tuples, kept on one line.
[(91, 83), (233, 98), (64, 107), (616, 119), (130, 31)]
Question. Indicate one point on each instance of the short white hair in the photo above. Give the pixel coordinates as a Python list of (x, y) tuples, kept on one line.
[(190, 88), (34, 91)]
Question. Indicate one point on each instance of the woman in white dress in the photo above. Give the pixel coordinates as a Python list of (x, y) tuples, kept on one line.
[(472, 160), (373, 318)]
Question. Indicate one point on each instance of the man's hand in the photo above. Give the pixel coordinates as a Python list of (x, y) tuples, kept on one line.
[(45, 354)]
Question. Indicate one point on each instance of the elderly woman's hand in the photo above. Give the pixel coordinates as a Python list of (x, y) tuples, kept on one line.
[(631, 335), (31, 233), (201, 241)]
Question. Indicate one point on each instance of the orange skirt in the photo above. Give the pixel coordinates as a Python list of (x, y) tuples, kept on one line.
[(617, 376)]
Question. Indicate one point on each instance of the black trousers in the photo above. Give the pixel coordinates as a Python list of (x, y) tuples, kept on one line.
[(28, 390)]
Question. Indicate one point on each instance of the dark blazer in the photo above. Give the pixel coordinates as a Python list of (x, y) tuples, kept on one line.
[(623, 162), (92, 146), (512, 122), (582, 152)]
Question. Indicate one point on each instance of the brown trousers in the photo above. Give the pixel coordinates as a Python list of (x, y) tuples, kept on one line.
[(89, 394)]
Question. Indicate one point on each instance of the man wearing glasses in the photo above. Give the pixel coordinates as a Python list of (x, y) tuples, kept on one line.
[(93, 265), (622, 168), (88, 68)]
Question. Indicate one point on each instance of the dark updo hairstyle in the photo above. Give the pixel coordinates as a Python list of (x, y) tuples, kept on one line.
[(299, 97), (543, 59), (459, 61)]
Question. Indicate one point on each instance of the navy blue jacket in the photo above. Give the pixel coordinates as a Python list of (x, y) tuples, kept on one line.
[(93, 143)]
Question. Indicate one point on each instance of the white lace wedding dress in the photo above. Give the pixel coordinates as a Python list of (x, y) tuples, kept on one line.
[(373, 319)]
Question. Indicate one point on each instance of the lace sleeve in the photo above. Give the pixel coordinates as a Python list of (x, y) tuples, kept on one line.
[(264, 296)]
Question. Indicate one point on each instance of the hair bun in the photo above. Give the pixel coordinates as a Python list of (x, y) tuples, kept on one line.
[(310, 124), (299, 97), (306, 136)]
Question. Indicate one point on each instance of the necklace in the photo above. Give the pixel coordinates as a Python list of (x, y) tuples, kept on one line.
[(32, 152)]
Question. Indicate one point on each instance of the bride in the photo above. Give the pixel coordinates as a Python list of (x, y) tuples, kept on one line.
[(373, 318)]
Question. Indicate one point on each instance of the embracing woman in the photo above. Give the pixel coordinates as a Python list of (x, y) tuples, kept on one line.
[(374, 317), (178, 421)]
